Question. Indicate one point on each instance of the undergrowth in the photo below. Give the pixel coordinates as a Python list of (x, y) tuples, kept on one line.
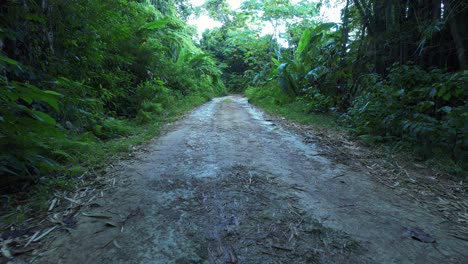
[(275, 102)]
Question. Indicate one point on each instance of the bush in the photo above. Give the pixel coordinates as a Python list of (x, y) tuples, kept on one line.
[(316, 101), (268, 95), (425, 108), (153, 100), (112, 128)]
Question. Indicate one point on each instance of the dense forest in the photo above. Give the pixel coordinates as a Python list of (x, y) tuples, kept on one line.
[(76, 75)]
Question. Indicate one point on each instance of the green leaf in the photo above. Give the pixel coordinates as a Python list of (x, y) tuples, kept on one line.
[(53, 93), (51, 98), (445, 109), (276, 62), (43, 117), (155, 25), (317, 72), (4, 169), (28, 93), (323, 27), (8, 60), (441, 92), (304, 42), (282, 66)]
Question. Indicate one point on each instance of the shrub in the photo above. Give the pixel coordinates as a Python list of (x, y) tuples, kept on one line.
[(112, 128), (426, 108), (272, 95)]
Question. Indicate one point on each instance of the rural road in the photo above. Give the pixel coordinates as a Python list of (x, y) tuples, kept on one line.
[(227, 186)]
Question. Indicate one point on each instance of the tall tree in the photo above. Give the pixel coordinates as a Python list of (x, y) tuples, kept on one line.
[(457, 14)]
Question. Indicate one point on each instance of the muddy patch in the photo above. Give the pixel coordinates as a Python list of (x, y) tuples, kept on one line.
[(246, 215)]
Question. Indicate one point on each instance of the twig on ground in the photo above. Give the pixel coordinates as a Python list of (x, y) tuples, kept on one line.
[(281, 248)]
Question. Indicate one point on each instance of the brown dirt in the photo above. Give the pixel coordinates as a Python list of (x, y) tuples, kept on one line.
[(227, 186)]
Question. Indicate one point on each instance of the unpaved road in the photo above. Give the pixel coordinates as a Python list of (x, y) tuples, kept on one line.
[(227, 186)]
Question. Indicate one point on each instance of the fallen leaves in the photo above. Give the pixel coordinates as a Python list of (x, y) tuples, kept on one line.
[(429, 187), (48, 231), (53, 203), (5, 250), (116, 244), (16, 245), (62, 210), (111, 224)]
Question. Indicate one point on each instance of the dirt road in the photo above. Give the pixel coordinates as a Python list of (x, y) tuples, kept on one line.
[(227, 186)]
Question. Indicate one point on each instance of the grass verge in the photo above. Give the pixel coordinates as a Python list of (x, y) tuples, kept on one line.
[(275, 103)]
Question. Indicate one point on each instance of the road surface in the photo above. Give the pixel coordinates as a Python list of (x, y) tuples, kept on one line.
[(227, 186)]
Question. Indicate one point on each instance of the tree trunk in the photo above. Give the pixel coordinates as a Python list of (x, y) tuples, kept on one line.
[(342, 89), (457, 11)]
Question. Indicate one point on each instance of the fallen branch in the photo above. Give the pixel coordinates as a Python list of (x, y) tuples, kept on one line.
[(44, 234), (281, 248)]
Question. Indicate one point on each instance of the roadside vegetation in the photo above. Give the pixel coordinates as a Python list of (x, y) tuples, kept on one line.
[(82, 81)]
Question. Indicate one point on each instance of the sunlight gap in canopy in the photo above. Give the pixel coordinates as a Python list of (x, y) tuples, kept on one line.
[(203, 22)]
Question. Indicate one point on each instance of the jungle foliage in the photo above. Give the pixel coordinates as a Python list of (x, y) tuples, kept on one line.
[(393, 71), (76, 74)]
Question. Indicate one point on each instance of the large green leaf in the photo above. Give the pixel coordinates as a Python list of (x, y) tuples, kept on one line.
[(30, 93), (304, 42), (43, 117), (310, 36)]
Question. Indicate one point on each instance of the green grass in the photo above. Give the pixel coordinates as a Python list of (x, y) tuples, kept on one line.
[(275, 103), (291, 112)]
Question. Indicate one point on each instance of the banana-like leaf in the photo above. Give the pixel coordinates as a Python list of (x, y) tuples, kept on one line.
[(323, 27), (304, 42), (200, 59), (287, 80), (183, 56), (308, 37), (282, 66)]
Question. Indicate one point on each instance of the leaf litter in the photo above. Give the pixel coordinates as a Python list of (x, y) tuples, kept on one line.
[(27, 237), (437, 192)]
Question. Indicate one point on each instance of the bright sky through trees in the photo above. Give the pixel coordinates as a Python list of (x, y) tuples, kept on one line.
[(331, 14)]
